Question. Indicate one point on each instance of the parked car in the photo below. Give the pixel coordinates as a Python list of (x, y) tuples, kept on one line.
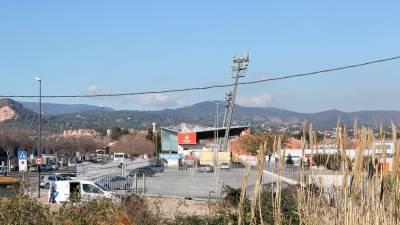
[(205, 168), (237, 165), (46, 180), (225, 166), (68, 176), (46, 168), (115, 182), (142, 171), (54, 166), (3, 169), (158, 168)]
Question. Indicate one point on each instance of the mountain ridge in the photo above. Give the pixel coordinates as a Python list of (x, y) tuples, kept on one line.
[(203, 113)]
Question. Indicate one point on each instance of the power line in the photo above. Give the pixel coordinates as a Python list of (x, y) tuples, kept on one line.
[(211, 86)]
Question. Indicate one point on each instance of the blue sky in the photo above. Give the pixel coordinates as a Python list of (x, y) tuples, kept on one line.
[(80, 47)]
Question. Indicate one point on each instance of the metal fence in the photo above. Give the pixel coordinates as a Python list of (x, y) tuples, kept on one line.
[(198, 181)]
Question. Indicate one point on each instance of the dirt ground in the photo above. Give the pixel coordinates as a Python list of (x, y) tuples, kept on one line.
[(168, 207)]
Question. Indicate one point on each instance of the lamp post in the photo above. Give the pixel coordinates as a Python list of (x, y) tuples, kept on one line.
[(130, 141), (217, 124), (40, 128), (102, 134)]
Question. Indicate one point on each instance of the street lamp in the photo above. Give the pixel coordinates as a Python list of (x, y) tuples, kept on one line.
[(217, 121), (130, 141), (40, 128), (102, 134)]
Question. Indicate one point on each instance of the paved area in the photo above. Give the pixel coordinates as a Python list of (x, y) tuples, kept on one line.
[(193, 184), (187, 183)]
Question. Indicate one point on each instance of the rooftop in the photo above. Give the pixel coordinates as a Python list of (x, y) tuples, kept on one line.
[(187, 128)]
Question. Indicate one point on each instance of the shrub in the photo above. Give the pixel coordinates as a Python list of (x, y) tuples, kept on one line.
[(99, 211), (23, 210), (216, 219), (332, 162), (289, 160), (288, 202), (138, 212)]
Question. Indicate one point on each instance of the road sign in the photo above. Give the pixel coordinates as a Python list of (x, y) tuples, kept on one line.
[(39, 161), (22, 155), (22, 165)]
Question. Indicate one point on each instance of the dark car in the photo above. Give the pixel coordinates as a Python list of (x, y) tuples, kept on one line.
[(115, 183), (142, 171), (158, 168)]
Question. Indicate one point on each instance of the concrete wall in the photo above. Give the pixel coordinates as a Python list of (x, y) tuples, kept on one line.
[(207, 157)]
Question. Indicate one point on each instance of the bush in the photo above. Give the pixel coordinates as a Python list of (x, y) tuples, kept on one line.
[(23, 210), (288, 203), (332, 162), (138, 212), (99, 211), (217, 219), (289, 160)]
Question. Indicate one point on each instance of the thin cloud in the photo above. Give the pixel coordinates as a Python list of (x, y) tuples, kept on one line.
[(255, 101), (160, 101)]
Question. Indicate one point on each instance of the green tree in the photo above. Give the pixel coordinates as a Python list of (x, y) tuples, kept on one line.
[(289, 160)]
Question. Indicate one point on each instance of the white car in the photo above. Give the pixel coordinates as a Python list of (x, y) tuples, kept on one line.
[(225, 166), (205, 168)]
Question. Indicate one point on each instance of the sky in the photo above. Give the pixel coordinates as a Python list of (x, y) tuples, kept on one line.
[(92, 47)]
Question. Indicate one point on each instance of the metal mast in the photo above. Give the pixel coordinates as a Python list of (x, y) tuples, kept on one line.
[(239, 67)]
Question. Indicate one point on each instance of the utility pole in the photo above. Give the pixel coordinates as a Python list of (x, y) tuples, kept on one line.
[(40, 128)]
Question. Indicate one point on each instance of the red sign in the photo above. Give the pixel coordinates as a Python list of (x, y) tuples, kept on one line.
[(39, 160), (187, 138)]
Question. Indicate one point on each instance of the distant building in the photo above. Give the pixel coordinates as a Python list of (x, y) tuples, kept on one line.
[(189, 139), (78, 133)]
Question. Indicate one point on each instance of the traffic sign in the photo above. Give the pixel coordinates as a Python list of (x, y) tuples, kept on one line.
[(22, 165), (39, 160), (22, 155)]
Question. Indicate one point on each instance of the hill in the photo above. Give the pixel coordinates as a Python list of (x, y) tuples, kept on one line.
[(201, 113), (52, 109)]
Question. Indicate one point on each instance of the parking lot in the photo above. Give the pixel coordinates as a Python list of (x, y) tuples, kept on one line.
[(186, 183), (193, 184)]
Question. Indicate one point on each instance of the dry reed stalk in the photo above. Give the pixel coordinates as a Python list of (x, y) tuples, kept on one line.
[(358, 165), (396, 154), (316, 142), (346, 170), (311, 145), (355, 129), (277, 206), (325, 141), (258, 183), (240, 210)]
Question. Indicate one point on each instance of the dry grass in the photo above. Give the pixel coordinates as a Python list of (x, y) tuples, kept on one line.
[(370, 197)]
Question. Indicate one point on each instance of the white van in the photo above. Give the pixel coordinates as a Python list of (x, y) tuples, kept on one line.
[(120, 156), (63, 191)]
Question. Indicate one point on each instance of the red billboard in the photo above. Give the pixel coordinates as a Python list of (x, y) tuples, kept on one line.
[(187, 138)]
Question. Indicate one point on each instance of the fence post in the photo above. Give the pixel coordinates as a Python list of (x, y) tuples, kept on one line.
[(144, 183), (136, 192)]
